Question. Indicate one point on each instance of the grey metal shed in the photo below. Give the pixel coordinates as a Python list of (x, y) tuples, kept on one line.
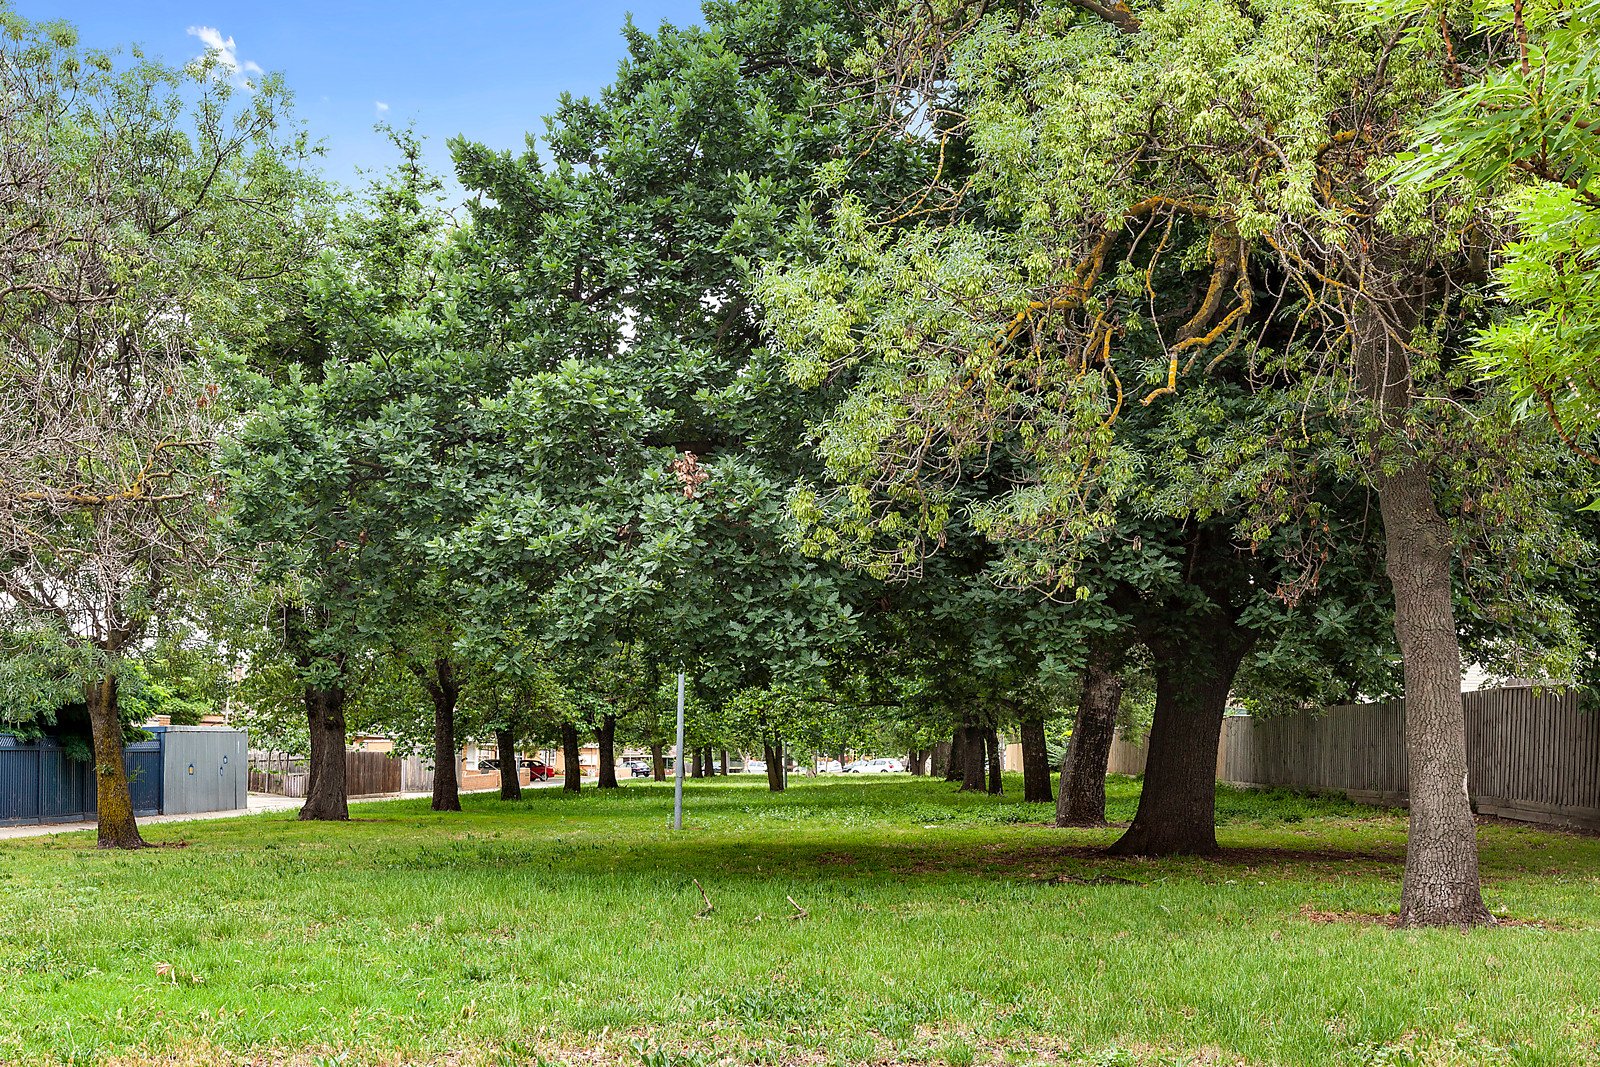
[(205, 768)]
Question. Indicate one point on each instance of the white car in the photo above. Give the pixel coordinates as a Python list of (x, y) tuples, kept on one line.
[(755, 766), (875, 766), (829, 766)]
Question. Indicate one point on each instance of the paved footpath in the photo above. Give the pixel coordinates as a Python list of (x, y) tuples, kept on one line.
[(259, 802)]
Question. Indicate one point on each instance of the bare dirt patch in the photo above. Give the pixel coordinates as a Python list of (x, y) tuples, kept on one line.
[(1391, 920)]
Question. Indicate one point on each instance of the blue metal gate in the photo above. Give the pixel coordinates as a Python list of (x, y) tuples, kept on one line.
[(39, 784)]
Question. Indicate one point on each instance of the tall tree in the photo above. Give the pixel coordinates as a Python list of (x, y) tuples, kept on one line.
[(1232, 161), (147, 213)]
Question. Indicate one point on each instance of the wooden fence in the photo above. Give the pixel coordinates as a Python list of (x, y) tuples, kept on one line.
[(366, 774), (1531, 756)]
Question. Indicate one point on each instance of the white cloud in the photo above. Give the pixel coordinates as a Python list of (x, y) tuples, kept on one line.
[(382, 108), (227, 54)]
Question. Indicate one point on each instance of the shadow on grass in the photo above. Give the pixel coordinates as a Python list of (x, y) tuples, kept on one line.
[(838, 830)]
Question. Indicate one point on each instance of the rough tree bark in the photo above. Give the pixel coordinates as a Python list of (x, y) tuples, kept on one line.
[(773, 750), (914, 761), (572, 778), (1035, 763), (1441, 886), (973, 764), (113, 801), (1177, 806), (696, 767), (658, 761), (724, 763), (941, 761), (505, 744), (606, 735), (326, 798), (445, 689), (995, 753), (1083, 771), (956, 765)]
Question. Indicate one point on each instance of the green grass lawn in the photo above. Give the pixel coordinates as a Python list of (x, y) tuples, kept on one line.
[(939, 928)]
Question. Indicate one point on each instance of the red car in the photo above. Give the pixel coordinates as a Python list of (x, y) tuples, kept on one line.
[(536, 769)]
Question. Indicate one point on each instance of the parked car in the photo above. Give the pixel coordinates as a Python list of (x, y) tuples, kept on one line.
[(882, 765), (539, 772), (755, 766), (638, 768), (829, 766)]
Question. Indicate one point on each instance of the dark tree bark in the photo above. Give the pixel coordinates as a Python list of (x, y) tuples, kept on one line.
[(572, 779), (708, 762), (443, 686), (995, 752), (941, 761), (1083, 771), (658, 761), (914, 761), (505, 743), (326, 798), (1035, 763), (724, 763), (973, 763), (956, 765), (1441, 886), (697, 768), (606, 735), (774, 753), (117, 826), (1177, 806)]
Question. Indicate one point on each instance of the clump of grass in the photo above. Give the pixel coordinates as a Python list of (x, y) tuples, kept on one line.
[(958, 1052)]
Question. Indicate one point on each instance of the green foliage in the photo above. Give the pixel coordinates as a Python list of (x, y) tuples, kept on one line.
[(1523, 125)]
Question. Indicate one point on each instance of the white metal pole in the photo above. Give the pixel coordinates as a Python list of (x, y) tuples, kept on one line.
[(677, 777)]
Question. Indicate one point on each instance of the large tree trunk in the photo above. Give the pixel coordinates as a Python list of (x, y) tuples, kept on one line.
[(505, 743), (658, 761), (573, 776), (995, 751), (607, 736), (1177, 806), (1441, 885), (1035, 763), (697, 768), (724, 763), (774, 753), (941, 761), (113, 800), (956, 765), (973, 763), (1083, 771), (444, 689), (914, 760), (326, 798)]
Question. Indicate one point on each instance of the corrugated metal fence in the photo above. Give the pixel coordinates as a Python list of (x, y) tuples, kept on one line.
[(183, 770), (1530, 756)]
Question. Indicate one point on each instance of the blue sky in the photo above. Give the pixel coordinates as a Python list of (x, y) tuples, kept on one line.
[(489, 70)]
